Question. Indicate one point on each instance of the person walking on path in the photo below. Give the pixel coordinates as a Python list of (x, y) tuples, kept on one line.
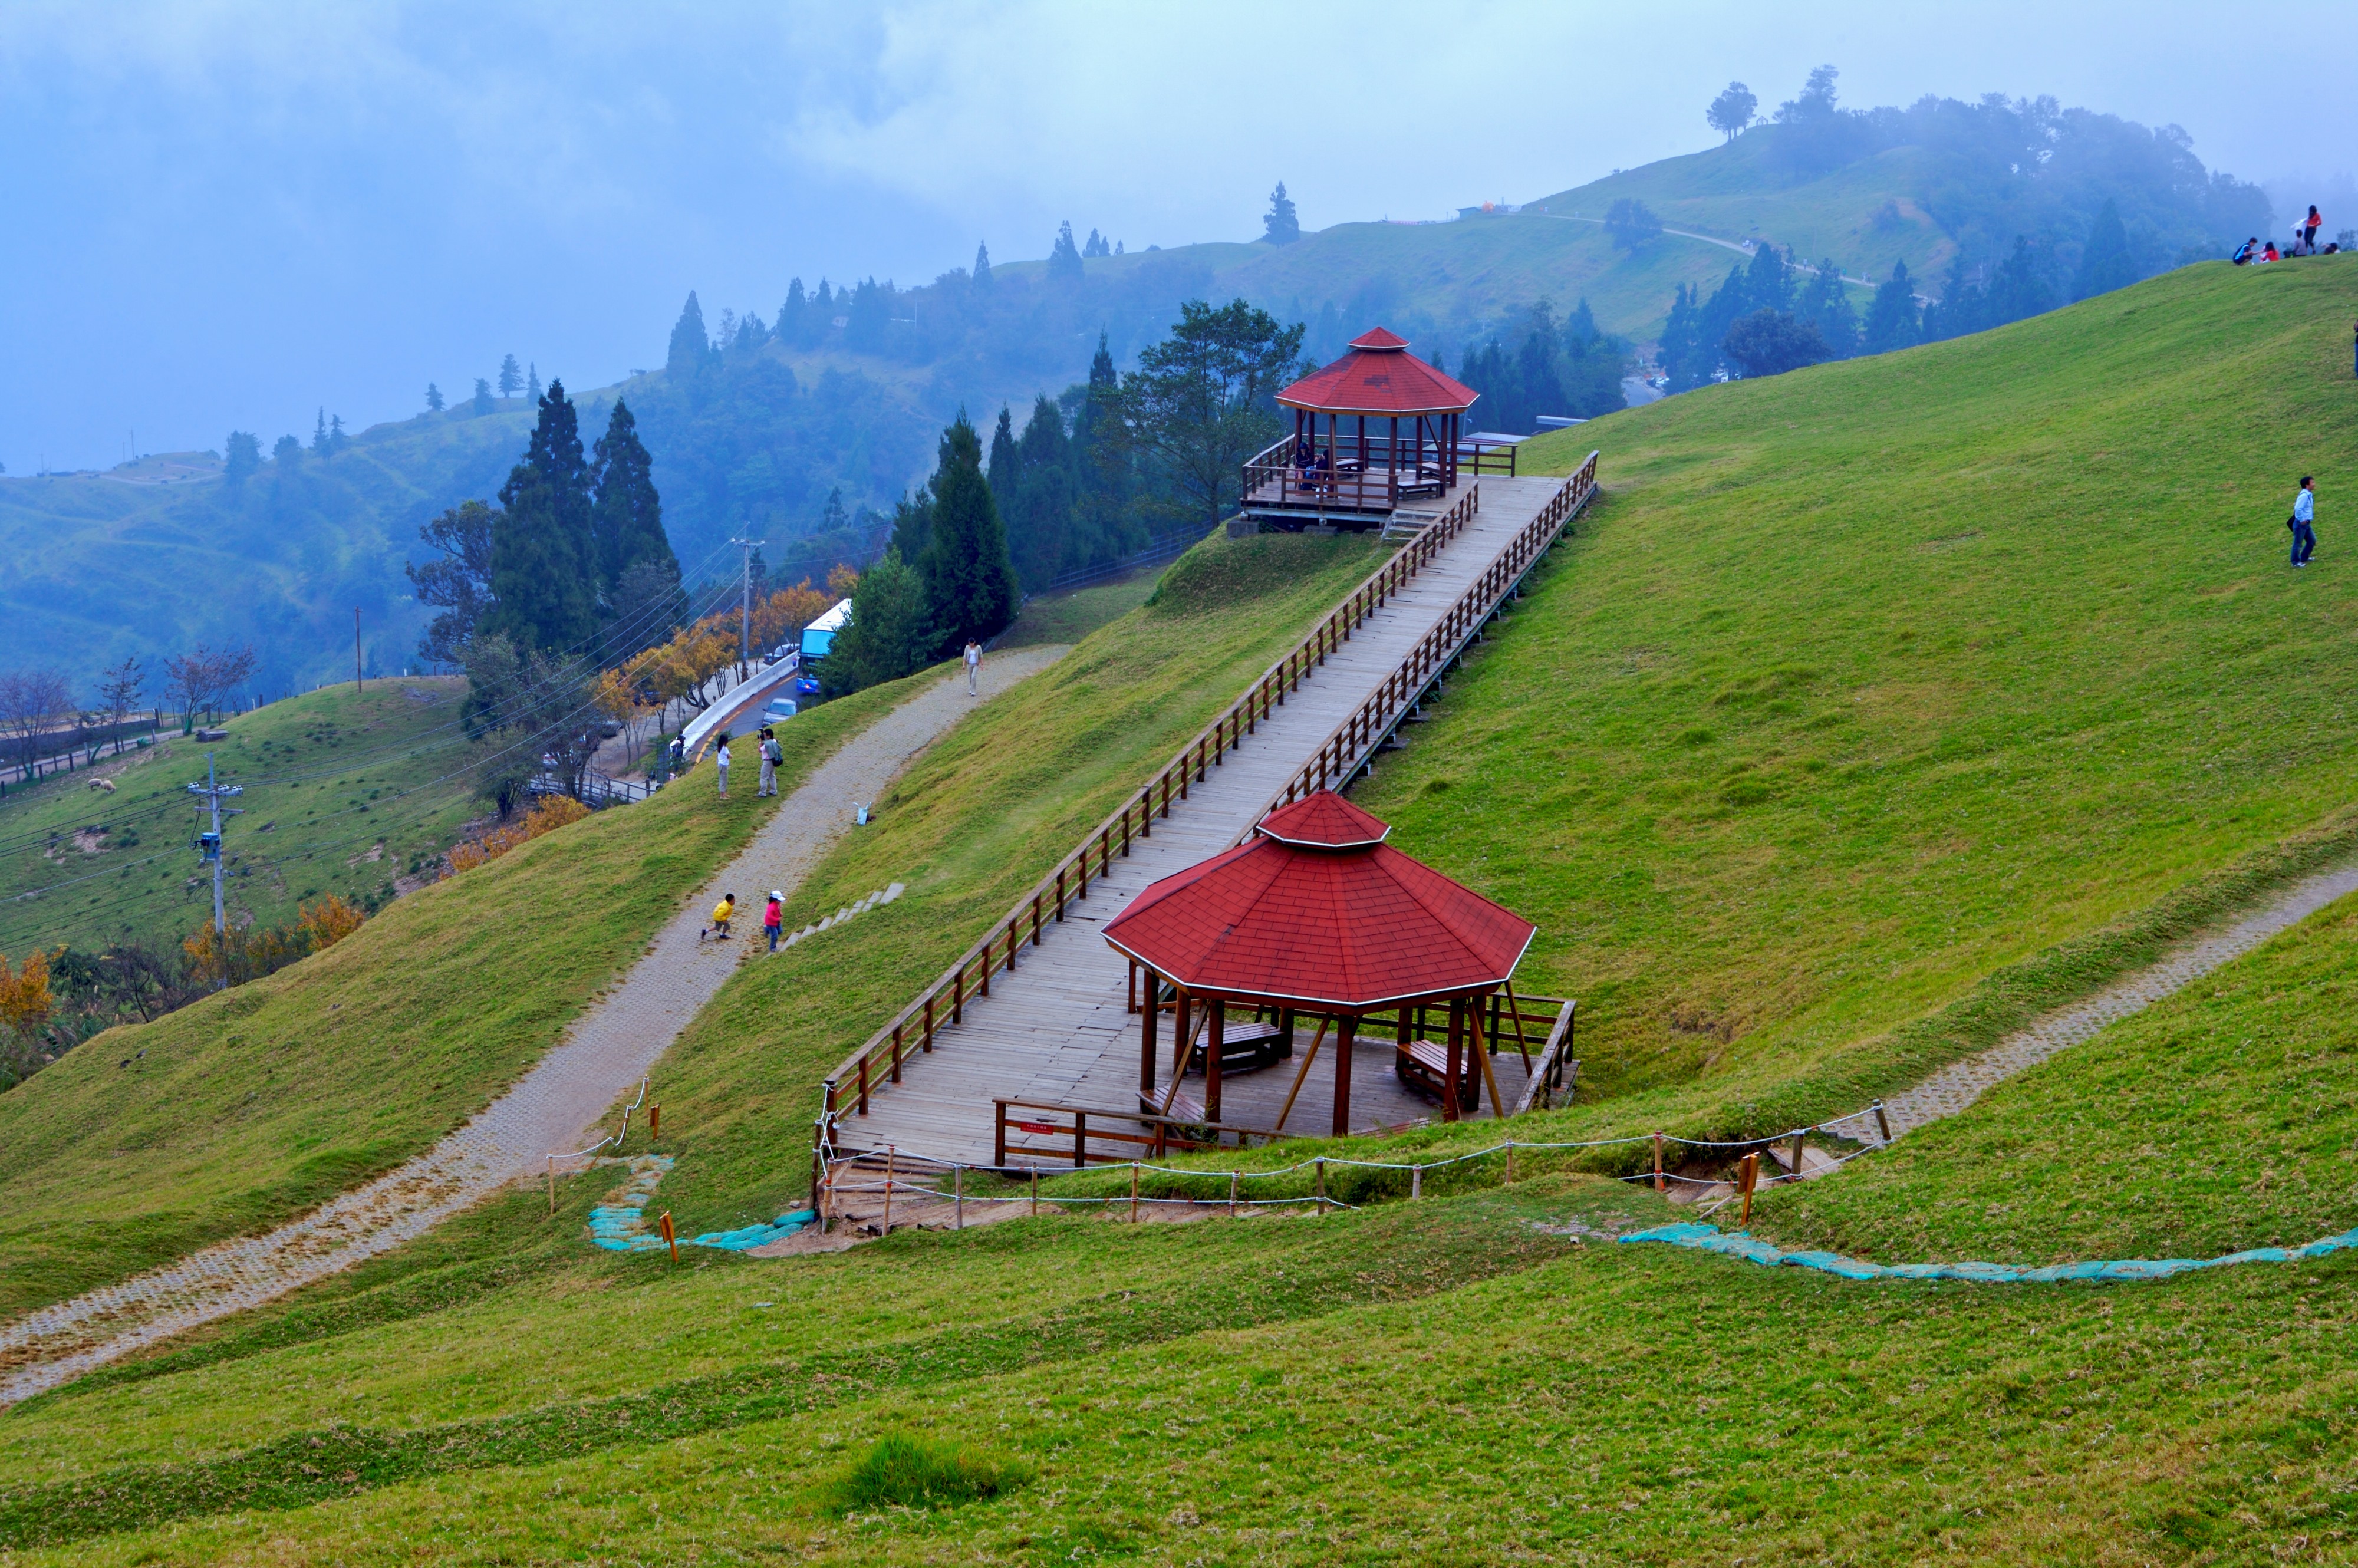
[(724, 764), (2304, 514), (773, 918), (723, 913), (772, 756), (973, 668)]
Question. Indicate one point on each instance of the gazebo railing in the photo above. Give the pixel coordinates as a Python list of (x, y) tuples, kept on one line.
[(913, 1029), (1378, 482), (1354, 742)]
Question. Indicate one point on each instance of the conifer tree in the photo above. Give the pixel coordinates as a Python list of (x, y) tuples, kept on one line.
[(791, 314), (1891, 318), (319, 434), (1040, 525), (890, 634), (484, 404), (510, 377), (532, 383), (1065, 256), (981, 265), (1006, 463), (2104, 262), (627, 516), (244, 458), (969, 582), (1280, 225), (433, 398), (1101, 464), (691, 345), (544, 558)]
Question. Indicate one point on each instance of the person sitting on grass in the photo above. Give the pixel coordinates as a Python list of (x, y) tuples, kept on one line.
[(723, 912), (2244, 252), (2270, 254)]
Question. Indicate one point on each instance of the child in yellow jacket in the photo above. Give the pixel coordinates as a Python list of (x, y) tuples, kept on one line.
[(722, 913)]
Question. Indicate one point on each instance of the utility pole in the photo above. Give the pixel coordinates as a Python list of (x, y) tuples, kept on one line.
[(745, 617), (358, 685), (212, 792)]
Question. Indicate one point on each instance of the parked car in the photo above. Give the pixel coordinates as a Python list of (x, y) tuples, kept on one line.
[(780, 709)]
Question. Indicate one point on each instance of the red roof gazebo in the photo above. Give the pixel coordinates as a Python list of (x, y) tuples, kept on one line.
[(1316, 912), (1348, 465)]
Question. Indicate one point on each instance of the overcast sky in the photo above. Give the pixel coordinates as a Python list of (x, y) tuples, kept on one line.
[(224, 214)]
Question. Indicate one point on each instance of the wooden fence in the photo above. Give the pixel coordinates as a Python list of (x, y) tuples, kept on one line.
[(883, 1056)]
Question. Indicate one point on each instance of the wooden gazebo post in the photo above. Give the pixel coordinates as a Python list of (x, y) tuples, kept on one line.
[(1152, 1011), (1347, 1027)]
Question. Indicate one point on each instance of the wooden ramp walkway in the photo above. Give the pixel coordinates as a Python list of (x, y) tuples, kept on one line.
[(1055, 1027)]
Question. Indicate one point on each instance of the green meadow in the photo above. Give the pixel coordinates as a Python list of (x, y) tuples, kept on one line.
[(1874, 709)]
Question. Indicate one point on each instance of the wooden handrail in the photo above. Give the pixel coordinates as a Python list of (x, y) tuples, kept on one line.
[(1354, 741), (1068, 881), (1548, 1072)]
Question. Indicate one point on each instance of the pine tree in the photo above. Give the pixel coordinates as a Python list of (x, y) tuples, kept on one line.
[(1040, 525), (981, 265), (532, 383), (2019, 289), (1825, 304), (627, 516), (1280, 225), (510, 377), (433, 398), (2104, 262), (337, 439), (826, 307), (484, 404), (890, 634), (969, 582), (1065, 256), (1101, 466), (543, 559), (1006, 463), (319, 434), (244, 457), (871, 309), (1097, 246), (690, 346), (832, 518), (1891, 319), (791, 314)]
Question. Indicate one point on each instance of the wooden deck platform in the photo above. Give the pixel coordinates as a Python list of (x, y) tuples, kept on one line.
[(1056, 1030)]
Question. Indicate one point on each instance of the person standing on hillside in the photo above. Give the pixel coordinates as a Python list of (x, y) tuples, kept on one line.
[(772, 756), (973, 668), (723, 757), (2309, 228), (773, 918), (2304, 514)]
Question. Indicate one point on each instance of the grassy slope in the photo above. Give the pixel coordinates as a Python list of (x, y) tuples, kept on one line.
[(2222, 1119), (1868, 681), (386, 758), (253, 1106), (1738, 191), (1442, 1382), (971, 826)]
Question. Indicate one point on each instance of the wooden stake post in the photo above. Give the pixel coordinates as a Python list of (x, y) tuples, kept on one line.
[(670, 1238), (1747, 1176)]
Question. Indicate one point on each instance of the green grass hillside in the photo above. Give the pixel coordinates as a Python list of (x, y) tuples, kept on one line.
[(345, 792), (250, 1107), (1883, 700), (1862, 687)]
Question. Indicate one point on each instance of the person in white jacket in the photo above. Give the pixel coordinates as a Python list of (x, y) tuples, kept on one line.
[(2304, 514)]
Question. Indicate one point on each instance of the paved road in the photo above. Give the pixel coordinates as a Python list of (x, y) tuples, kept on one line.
[(551, 1108)]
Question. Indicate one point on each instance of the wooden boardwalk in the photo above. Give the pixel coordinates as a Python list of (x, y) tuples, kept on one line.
[(1056, 1028)]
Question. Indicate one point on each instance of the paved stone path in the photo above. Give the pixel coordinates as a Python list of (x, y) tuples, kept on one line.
[(549, 1110), (1955, 1086)]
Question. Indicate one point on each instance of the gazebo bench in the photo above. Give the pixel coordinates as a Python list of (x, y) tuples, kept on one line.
[(1244, 1048), (1423, 1066)]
